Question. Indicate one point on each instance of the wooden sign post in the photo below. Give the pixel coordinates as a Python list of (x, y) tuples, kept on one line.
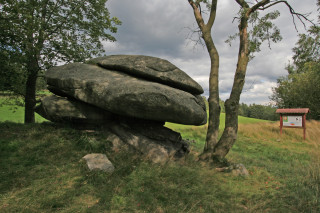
[(293, 118)]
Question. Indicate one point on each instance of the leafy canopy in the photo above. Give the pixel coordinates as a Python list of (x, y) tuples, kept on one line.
[(301, 87), (54, 30), (261, 29)]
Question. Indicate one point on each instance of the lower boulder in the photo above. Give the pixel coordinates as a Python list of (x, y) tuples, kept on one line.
[(149, 138), (154, 141), (61, 109)]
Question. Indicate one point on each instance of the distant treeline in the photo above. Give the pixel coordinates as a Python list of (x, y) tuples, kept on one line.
[(258, 111), (263, 112)]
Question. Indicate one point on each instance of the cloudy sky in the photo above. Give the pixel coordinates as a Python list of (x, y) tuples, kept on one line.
[(161, 28)]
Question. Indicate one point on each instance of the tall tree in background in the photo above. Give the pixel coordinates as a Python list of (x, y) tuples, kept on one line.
[(38, 34), (250, 41), (301, 88)]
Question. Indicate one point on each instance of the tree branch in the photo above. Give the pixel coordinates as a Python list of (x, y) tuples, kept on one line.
[(212, 13), (258, 5), (300, 16), (195, 39), (197, 14), (243, 3)]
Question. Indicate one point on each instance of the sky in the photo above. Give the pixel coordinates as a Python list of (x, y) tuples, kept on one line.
[(163, 28)]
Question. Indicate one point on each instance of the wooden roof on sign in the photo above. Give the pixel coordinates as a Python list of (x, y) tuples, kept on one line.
[(294, 111)]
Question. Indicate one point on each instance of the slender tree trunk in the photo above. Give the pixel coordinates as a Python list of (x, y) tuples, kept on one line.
[(214, 107), (35, 38), (218, 150), (229, 135), (30, 96)]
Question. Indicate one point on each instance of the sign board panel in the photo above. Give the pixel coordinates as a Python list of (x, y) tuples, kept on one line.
[(292, 120)]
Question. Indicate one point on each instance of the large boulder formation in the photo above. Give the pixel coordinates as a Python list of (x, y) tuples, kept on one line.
[(126, 95), (149, 138), (150, 68), (130, 98)]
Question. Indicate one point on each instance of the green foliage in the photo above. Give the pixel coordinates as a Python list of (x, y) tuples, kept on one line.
[(36, 35), (307, 49), (258, 111), (301, 89), (12, 75), (262, 29), (55, 30)]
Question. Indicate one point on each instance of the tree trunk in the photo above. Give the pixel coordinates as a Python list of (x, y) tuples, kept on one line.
[(30, 96), (229, 135), (213, 150), (214, 107)]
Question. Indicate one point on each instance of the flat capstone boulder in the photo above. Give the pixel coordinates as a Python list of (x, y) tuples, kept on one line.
[(150, 68)]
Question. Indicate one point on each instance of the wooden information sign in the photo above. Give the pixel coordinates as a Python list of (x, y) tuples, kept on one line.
[(293, 118)]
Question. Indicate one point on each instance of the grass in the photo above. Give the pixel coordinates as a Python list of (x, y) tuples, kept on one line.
[(40, 172), (9, 111), (198, 133)]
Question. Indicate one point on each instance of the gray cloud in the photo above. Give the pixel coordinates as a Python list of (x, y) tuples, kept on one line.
[(160, 28)]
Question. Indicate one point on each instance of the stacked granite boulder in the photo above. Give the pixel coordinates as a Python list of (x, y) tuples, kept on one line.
[(132, 96)]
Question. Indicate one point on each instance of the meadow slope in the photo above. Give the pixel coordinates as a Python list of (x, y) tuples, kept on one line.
[(40, 172)]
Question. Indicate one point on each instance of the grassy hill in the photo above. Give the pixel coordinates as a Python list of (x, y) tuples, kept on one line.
[(9, 111), (40, 172)]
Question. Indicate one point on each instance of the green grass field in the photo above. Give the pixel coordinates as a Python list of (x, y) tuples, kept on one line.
[(198, 133), (40, 172), (11, 112)]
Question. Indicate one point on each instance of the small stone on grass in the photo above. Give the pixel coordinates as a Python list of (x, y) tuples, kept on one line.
[(98, 162)]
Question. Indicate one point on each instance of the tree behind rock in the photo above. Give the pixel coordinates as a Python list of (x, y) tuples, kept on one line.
[(40, 34)]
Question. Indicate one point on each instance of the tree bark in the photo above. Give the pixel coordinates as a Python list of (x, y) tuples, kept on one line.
[(33, 47), (214, 107), (229, 134), (30, 95)]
